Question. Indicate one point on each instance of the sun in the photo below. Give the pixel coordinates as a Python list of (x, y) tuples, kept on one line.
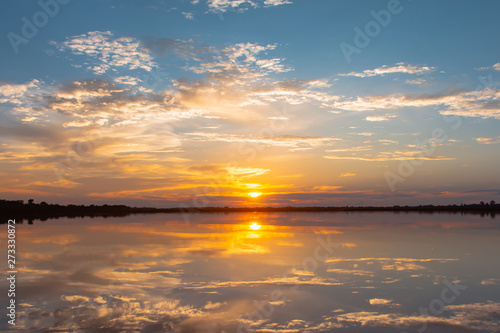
[(255, 194), (255, 226)]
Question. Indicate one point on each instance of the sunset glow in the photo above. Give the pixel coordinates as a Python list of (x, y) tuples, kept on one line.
[(250, 165), (197, 103)]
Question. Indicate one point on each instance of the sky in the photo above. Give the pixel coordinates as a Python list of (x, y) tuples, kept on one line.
[(250, 102)]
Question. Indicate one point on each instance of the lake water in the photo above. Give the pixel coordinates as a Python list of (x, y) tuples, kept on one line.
[(255, 272)]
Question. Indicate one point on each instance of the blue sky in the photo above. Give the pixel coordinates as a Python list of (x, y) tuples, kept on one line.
[(202, 102)]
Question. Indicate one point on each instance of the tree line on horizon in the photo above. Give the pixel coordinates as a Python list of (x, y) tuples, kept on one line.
[(30, 210)]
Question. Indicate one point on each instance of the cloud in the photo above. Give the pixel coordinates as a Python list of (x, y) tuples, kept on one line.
[(16, 93), (225, 5), (77, 123), (398, 260), (297, 279), (85, 129), (481, 103), (109, 52), (241, 61), (465, 317), (276, 2), (294, 93), (496, 66), (238, 83), (388, 142), (350, 149), (488, 141), (419, 82), (188, 15), (491, 281), (127, 80), (25, 101), (101, 102), (74, 298), (350, 271), (234, 77), (326, 188), (398, 68), (383, 301), (387, 157), (213, 306), (363, 133), (347, 174), (379, 118), (111, 313), (291, 142), (246, 172)]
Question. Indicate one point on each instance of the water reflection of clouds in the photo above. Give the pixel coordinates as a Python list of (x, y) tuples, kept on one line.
[(466, 318), (152, 276)]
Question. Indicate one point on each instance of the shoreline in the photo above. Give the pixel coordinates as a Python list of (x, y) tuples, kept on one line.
[(43, 211)]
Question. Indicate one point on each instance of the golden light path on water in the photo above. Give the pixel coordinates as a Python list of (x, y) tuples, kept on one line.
[(255, 226)]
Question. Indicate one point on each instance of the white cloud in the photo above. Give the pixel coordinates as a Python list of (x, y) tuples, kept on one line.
[(382, 301), (241, 61), (482, 103), (398, 68), (379, 118), (420, 82), (288, 141), (488, 141), (276, 2), (319, 83), (77, 123), (128, 80), (389, 157), (363, 133), (224, 5), (26, 100), (16, 93), (109, 52), (74, 298), (466, 317), (294, 95)]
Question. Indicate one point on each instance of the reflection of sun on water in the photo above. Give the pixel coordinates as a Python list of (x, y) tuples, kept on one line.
[(255, 194), (255, 226)]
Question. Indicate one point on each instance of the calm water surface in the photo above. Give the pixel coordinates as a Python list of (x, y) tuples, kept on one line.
[(287, 272)]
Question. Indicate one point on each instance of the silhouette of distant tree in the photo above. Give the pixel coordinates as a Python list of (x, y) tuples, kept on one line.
[(43, 211)]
